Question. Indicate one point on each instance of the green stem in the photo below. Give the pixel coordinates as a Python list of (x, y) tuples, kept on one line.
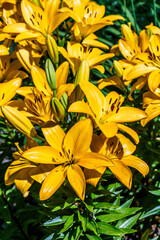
[(125, 7), (155, 12), (40, 138), (134, 15)]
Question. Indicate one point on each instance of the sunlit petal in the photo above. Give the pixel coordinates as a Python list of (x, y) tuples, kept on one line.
[(76, 178)]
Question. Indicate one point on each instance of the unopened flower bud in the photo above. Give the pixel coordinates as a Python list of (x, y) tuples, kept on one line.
[(51, 75), (118, 68), (83, 72), (58, 108), (149, 32), (52, 49), (64, 100), (127, 32)]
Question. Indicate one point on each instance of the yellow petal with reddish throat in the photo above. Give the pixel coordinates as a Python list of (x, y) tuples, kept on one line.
[(34, 16), (52, 182), (76, 178), (78, 139), (19, 121)]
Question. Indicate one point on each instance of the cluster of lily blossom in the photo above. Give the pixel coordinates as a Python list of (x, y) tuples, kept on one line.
[(80, 128)]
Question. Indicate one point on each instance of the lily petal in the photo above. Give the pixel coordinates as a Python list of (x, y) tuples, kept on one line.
[(19, 121), (139, 70), (122, 172), (94, 96), (8, 90), (43, 154), (80, 107), (40, 172), (79, 134), (130, 131), (128, 114), (23, 182), (137, 163), (109, 129), (54, 136), (93, 175), (94, 160), (76, 178), (52, 182), (40, 80)]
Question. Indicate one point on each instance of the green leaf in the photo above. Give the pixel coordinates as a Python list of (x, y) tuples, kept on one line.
[(93, 237), (83, 218), (153, 211), (117, 214), (156, 238), (127, 203), (155, 192), (146, 234), (127, 230), (129, 223), (77, 232), (107, 229), (68, 223), (116, 202), (53, 222), (103, 205), (92, 227), (89, 206), (50, 237)]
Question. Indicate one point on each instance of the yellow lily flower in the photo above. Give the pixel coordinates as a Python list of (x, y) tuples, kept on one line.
[(105, 111), (88, 17), (152, 104), (146, 63), (39, 22), (41, 83), (119, 150), (137, 61), (69, 152), (39, 108), (9, 11), (23, 172), (29, 53), (76, 53)]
